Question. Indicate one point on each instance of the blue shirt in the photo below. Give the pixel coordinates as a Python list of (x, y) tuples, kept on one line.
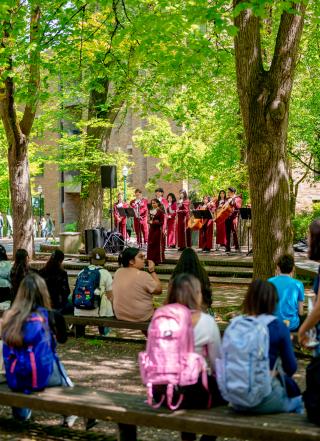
[(290, 292)]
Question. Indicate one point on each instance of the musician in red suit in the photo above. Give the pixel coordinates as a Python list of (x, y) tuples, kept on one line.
[(159, 195), (206, 231), (183, 216), (140, 206), (156, 239), (120, 222), (231, 222), (221, 239), (171, 220)]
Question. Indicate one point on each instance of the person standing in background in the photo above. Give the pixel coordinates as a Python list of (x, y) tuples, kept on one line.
[(183, 215), (140, 207), (171, 220)]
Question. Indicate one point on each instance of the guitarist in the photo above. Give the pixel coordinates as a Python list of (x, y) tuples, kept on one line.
[(231, 222)]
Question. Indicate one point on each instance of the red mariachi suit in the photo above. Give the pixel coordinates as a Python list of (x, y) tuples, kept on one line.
[(140, 219), (156, 241), (171, 224), (120, 221), (232, 223), (183, 232), (165, 205), (206, 234)]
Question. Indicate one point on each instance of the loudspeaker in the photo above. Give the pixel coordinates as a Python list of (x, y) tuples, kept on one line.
[(93, 239), (108, 176)]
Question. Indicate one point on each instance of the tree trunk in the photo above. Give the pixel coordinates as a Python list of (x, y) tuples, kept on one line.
[(91, 207), (91, 202), (21, 197), (264, 100)]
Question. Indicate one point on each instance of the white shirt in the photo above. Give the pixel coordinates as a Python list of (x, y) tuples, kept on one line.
[(207, 335), (105, 309)]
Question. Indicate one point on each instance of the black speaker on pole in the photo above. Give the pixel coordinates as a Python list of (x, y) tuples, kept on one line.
[(108, 176)]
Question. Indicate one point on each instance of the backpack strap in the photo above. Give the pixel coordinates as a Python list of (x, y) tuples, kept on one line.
[(170, 396), (150, 397)]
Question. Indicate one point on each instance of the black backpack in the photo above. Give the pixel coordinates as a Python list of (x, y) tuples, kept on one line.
[(311, 396)]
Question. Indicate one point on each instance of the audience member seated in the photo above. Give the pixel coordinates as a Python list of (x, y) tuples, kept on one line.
[(186, 290), (19, 269), (189, 263), (290, 293), (133, 288), (103, 292), (285, 396), (5, 281), (31, 323), (57, 282)]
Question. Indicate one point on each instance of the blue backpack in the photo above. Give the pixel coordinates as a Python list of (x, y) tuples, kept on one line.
[(28, 368), (243, 371), (83, 296)]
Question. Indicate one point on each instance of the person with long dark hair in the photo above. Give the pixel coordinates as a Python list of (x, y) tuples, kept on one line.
[(221, 239), (171, 220), (260, 303), (5, 281), (156, 240), (183, 215), (189, 263), (133, 288), (19, 269), (57, 282), (206, 230)]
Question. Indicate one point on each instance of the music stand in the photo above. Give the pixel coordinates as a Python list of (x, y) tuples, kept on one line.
[(202, 214), (245, 215)]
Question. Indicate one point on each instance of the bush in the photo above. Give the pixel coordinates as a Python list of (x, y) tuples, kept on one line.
[(302, 221), (72, 227)]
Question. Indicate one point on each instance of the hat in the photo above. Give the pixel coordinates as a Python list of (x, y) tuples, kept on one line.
[(98, 256)]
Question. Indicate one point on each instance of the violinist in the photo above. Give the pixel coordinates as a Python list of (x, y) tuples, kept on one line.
[(140, 207), (231, 222), (221, 239), (171, 220), (120, 221), (156, 240), (206, 231), (183, 215)]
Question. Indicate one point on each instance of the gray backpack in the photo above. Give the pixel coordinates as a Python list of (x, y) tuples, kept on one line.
[(243, 371)]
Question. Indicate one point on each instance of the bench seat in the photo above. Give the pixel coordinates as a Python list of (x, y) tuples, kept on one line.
[(110, 322), (130, 411)]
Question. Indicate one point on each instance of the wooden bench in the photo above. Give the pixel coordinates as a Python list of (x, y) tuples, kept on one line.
[(110, 322), (130, 411)]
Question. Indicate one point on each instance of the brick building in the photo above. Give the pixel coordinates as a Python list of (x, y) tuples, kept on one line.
[(61, 198)]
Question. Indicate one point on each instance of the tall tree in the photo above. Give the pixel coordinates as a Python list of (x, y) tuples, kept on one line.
[(264, 95), (18, 130), (27, 32)]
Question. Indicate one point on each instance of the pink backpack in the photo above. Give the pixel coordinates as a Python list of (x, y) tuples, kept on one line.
[(170, 358)]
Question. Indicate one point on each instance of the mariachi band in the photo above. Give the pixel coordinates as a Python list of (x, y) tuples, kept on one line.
[(169, 222)]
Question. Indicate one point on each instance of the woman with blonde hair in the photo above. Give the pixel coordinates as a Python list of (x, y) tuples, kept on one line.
[(30, 330)]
